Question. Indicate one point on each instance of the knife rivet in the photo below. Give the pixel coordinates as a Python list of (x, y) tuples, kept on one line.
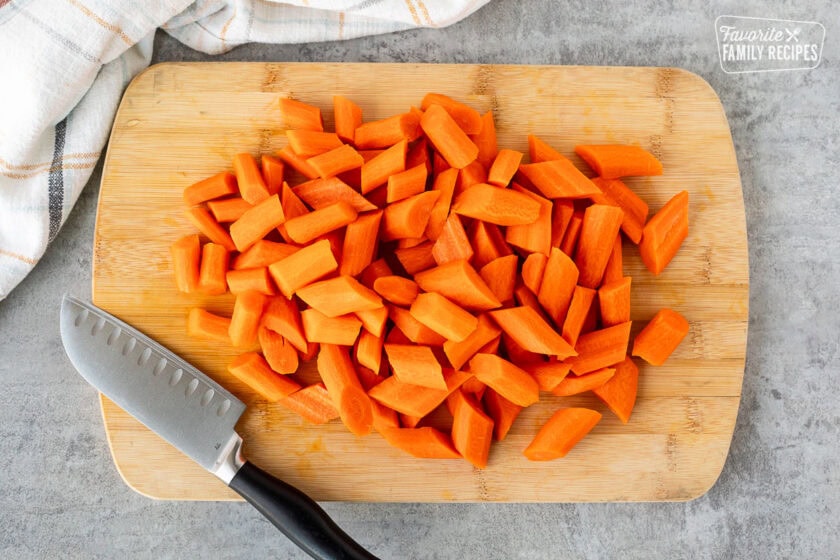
[(176, 377)]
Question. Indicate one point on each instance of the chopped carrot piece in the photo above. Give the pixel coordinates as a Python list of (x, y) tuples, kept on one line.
[(504, 167), (228, 210), (561, 215), (660, 337), (254, 371), (204, 222), (288, 156), (416, 365), (278, 352), (500, 276), (416, 331), (486, 140), (558, 286), (297, 114), (308, 143), (452, 244), (407, 183), (619, 392), (212, 272), (218, 185), (396, 289), (444, 183), (570, 239), (597, 237), (303, 267), (467, 118), (369, 350), (203, 324), (519, 355), (531, 332), (533, 272), (348, 117), (416, 259), (536, 236), (540, 151), (335, 161), (601, 348), (307, 227), (447, 137), (360, 243), (408, 217), (342, 330), (272, 171), (504, 207), (472, 430), (375, 172), (282, 316), (561, 433), (252, 186), (312, 403), (416, 400), (186, 259), (423, 443), (612, 161), (459, 282), (614, 299), (559, 178), (502, 411), (460, 352), (505, 378), (292, 208), (664, 233), (256, 222), (469, 176), (262, 253), (247, 310), (418, 154), (387, 132), (548, 374), (635, 209), (374, 320), (339, 296), (376, 269), (442, 316), (247, 279), (578, 311), (614, 270), (576, 384), (488, 243), (342, 383)]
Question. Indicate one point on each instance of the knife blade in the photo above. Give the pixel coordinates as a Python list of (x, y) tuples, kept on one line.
[(196, 415)]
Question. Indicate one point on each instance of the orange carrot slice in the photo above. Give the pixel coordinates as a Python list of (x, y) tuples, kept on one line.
[(278, 352), (561, 433), (348, 117), (576, 384), (416, 365), (218, 185), (664, 233), (312, 403), (308, 143), (307, 227), (387, 132), (540, 151), (396, 289), (548, 374), (416, 259), (374, 320), (472, 430), (272, 171), (204, 222), (570, 239), (558, 285), (375, 172), (212, 272), (444, 183), (531, 332), (488, 243), (469, 176), (619, 392), (288, 156), (561, 215), (281, 315), (460, 353), (415, 400), (614, 301), (486, 140), (614, 160), (504, 207), (533, 271), (614, 271), (635, 209), (320, 193), (303, 267), (601, 348), (413, 329), (254, 371), (186, 259), (408, 217), (298, 114), (262, 253), (256, 222), (536, 236), (467, 118), (335, 161), (442, 316), (342, 330), (559, 178), (511, 382), (257, 279), (209, 326), (228, 210), (660, 337), (360, 243), (500, 276), (502, 411), (252, 186), (452, 244), (504, 167), (582, 299), (447, 137), (423, 443), (342, 383), (247, 310), (459, 282), (597, 237), (339, 296), (407, 183), (369, 350)]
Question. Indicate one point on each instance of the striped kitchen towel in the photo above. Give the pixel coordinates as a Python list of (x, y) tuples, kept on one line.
[(64, 65)]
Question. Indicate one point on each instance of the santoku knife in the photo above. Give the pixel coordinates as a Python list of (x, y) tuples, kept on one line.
[(196, 415)]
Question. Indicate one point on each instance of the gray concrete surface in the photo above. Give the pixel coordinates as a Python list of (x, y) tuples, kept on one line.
[(779, 493)]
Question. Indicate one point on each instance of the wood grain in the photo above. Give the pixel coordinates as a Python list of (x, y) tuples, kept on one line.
[(179, 123)]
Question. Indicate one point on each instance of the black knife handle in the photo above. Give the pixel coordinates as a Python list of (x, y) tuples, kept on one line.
[(297, 515)]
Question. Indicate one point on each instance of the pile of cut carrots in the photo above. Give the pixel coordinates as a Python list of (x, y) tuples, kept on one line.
[(430, 274)]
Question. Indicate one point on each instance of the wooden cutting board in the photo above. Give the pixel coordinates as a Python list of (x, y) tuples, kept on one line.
[(179, 123)]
